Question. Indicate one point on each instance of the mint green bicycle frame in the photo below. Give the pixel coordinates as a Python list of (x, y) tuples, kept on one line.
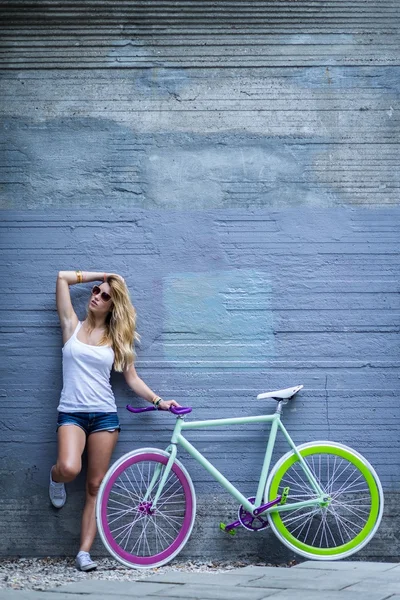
[(275, 420)]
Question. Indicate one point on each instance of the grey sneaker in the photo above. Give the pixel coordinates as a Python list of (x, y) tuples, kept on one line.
[(57, 492), (84, 562)]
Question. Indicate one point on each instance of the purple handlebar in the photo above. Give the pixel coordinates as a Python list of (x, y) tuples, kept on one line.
[(181, 410), (176, 410), (139, 410)]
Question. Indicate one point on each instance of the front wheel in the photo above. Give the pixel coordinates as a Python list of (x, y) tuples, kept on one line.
[(350, 517), (134, 533)]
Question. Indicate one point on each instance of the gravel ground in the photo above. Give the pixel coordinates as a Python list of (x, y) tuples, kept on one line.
[(46, 573)]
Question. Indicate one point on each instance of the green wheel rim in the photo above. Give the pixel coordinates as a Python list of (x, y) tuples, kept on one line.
[(374, 498)]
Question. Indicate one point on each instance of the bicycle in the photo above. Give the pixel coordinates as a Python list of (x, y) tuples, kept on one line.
[(322, 499)]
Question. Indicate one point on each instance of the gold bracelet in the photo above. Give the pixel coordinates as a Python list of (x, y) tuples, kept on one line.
[(157, 403), (79, 277)]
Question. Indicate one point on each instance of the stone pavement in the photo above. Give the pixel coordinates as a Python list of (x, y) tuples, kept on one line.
[(307, 581)]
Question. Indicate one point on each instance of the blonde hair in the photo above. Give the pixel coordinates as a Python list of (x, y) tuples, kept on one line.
[(120, 331)]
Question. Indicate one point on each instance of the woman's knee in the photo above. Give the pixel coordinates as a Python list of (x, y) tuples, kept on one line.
[(67, 470), (93, 486)]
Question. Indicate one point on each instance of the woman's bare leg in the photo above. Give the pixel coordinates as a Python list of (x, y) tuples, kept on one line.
[(100, 446), (71, 444)]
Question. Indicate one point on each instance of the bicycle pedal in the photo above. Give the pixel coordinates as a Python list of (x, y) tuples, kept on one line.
[(285, 494), (222, 526)]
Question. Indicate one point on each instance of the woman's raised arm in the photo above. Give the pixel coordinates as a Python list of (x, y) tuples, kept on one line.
[(66, 313)]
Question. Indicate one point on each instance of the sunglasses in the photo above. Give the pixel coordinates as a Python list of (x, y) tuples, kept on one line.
[(103, 295)]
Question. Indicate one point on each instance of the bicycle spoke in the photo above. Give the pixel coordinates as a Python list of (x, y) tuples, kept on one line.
[(359, 508), (178, 491), (171, 521), (293, 519), (316, 533), (164, 535), (300, 527), (165, 531), (126, 532), (166, 490), (354, 511), (331, 534), (128, 494), (120, 503), (310, 522), (301, 486), (334, 477), (353, 484), (344, 522), (136, 489), (117, 516)]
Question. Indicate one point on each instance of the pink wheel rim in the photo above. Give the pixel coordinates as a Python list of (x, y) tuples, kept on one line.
[(170, 550)]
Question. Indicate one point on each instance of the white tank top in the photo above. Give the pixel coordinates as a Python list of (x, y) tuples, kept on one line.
[(86, 377)]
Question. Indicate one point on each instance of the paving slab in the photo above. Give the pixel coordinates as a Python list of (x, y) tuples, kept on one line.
[(226, 579), (213, 592), (387, 587), (343, 565), (328, 595), (274, 572), (390, 575), (336, 581), (100, 588), (8, 594), (251, 569)]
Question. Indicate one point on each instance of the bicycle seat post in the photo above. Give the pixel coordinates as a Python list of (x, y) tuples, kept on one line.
[(279, 407)]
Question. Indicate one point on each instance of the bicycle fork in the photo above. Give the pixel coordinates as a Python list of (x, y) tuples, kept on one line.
[(172, 449)]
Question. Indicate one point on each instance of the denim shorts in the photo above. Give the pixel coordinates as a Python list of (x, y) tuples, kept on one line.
[(90, 422)]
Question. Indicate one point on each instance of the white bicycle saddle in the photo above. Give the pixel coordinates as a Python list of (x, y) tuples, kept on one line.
[(281, 394)]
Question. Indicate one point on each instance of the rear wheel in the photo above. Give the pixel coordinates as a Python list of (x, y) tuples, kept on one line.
[(350, 517), (132, 531)]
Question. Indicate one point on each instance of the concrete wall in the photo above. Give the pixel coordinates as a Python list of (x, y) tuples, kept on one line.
[(238, 164)]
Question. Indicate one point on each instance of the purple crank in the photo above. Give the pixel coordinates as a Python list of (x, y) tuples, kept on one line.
[(176, 410), (250, 520)]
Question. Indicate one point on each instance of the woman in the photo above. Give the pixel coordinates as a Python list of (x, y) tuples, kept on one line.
[(87, 410)]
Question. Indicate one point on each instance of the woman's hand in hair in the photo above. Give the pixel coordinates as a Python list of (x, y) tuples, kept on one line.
[(116, 275), (166, 404)]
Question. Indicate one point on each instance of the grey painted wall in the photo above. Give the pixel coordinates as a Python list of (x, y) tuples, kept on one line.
[(238, 164)]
